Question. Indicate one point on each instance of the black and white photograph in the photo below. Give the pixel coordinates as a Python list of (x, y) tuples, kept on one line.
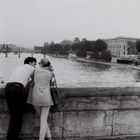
[(69, 70)]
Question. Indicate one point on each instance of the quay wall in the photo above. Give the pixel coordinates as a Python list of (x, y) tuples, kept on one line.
[(86, 113)]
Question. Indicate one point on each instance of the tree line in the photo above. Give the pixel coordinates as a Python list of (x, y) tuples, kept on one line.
[(96, 50)]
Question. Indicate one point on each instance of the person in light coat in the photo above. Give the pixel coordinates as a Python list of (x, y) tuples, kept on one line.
[(41, 96)]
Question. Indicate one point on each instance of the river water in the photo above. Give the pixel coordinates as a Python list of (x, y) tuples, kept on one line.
[(71, 73)]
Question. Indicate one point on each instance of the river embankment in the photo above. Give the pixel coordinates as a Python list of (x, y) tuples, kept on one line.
[(107, 63), (131, 66)]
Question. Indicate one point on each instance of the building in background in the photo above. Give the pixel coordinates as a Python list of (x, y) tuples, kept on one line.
[(76, 40), (122, 46)]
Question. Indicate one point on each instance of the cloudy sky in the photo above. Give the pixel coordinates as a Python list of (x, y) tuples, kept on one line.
[(33, 22)]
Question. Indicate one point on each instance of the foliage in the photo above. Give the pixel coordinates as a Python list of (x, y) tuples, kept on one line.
[(99, 46), (100, 52), (38, 49), (81, 53), (97, 49), (106, 56), (131, 49), (76, 46), (138, 46), (95, 55)]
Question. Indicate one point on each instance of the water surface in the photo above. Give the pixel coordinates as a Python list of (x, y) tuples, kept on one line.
[(71, 73)]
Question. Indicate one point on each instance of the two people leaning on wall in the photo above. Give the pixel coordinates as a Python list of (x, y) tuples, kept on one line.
[(40, 97)]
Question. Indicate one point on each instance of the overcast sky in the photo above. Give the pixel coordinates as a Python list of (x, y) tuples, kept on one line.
[(33, 22)]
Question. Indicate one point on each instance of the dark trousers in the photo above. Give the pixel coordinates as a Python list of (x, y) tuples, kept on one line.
[(16, 105)]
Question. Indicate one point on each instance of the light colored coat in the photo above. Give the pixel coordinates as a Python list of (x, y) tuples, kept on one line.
[(40, 95)]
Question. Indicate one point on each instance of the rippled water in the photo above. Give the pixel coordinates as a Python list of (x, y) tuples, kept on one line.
[(71, 73)]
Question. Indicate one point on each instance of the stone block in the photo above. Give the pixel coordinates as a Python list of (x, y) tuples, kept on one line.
[(91, 103), (78, 138), (108, 138), (56, 124), (89, 123), (126, 122), (131, 138), (107, 103), (130, 102), (28, 124), (109, 118), (4, 123)]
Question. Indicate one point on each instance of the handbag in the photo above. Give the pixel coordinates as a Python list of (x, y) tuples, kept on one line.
[(56, 96)]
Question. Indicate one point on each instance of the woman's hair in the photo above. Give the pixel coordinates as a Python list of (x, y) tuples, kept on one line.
[(45, 62), (46, 65), (29, 59)]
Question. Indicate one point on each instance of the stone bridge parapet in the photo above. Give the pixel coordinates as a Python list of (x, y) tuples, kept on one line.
[(86, 113)]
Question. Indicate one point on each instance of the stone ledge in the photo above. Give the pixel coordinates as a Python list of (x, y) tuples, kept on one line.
[(106, 138), (89, 138), (92, 92), (100, 91)]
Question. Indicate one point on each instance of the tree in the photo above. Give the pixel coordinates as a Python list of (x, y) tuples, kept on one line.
[(81, 53), (100, 52), (87, 45), (131, 49), (106, 56), (138, 46), (99, 46), (38, 49), (94, 55), (76, 46)]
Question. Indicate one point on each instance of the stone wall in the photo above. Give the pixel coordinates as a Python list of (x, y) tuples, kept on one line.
[(85, 113)]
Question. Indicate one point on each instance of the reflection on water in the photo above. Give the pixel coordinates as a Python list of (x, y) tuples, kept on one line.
[(71, 73), (90, 67)]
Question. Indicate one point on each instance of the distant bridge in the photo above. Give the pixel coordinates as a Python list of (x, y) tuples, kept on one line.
[(9, 51)]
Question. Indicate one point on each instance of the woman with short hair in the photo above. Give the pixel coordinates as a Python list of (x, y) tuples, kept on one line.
[(41, 95)]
